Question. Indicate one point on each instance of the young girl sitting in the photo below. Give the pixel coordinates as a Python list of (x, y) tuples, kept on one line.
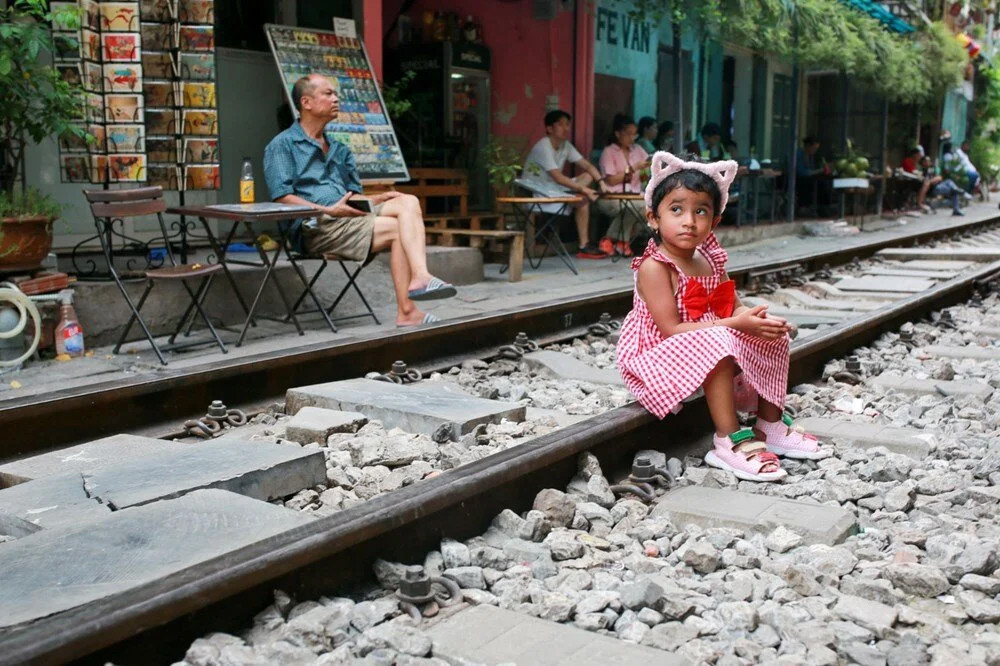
[(688, 328)]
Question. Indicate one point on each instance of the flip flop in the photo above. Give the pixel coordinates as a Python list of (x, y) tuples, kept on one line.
[(428, 319), (434, 289)]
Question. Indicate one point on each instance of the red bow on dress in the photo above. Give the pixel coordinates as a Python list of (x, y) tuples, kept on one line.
[(721, 301)]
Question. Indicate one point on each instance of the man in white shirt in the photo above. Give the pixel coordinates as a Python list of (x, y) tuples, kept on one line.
[(543, 169)]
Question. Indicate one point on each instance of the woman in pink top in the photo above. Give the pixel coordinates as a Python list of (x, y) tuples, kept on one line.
[(621, 162)]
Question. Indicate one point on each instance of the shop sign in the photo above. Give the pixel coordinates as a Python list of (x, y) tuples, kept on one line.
[(617, 28)]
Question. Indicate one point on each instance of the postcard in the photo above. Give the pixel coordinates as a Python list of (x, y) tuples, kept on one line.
[(161, 150), (90, 45), (198, 66), (126, 168), (92, 13), (197, 11), (201, 122), (94, 107), (126, 138), (121, 77), (99, 144), (201, 177), (123, 108), (74, 168), (166, 176), (201, 151), (199, 95), (93, 80), (160, 93), (119, 16), (162, 121), (158, 65), (158, 36), (197, 38), (98, 168), (73, 143), (158, 10), (70, 73), (67, 45), (120, 47)]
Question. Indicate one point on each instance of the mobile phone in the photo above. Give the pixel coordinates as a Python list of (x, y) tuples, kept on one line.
[(364, 205)]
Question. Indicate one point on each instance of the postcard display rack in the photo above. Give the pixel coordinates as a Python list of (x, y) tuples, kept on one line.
[(363, 125), (148, 72)]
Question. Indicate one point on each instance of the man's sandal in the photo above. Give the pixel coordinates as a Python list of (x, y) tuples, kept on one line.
[(791, 441), (744, 456)]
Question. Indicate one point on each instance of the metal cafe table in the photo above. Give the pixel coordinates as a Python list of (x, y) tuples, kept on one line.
[(546, 227), (248, 214), (628, 204)]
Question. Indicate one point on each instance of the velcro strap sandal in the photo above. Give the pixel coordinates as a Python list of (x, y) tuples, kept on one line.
[(745, 456), (791, 441)]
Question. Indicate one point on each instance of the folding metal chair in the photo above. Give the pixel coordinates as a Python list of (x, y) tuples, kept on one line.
[(112, 207), (326, 258)]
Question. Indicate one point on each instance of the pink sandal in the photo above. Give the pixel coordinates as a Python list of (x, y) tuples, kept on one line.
[(791, 441), (746, 457)]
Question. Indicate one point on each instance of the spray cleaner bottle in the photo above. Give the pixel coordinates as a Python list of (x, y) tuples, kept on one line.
[(69, 333)]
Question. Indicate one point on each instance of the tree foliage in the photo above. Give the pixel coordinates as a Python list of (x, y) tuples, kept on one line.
[(36, 103), (827, 34)]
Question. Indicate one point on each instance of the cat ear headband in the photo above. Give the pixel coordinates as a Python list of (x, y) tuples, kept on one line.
[(664, 164)]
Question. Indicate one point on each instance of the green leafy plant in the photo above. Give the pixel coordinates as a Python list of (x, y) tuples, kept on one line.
[(36, 102), (29, 202), (503, 163), (394, 95)]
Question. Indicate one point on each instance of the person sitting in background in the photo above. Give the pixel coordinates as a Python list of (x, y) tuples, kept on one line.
[(807, 174), (729, 149), (665, 135), (545, 164), (912, 161), (711, 143), (970, 168), (956, 164), (693, 149), (621, 161), (938, 186), (647, 134)]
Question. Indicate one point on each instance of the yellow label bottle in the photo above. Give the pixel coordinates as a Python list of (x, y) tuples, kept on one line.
[(246, 182)]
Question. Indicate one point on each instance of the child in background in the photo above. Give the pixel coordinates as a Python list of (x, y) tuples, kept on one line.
[(688, 327)]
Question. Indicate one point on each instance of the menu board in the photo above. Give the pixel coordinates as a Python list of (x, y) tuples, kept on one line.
[(363, 124), (148, 73)]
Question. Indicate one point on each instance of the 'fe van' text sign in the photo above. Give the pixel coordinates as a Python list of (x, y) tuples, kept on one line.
[(620, 29)]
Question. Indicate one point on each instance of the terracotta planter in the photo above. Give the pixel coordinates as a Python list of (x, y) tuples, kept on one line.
[(24, 242)]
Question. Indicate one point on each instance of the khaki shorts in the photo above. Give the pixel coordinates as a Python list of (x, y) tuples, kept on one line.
[(348, 237)]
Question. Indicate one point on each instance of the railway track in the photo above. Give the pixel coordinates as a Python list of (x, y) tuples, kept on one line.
[(338, 550)]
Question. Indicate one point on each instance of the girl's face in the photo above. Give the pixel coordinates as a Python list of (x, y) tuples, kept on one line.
[(651, 132), (626, 136), (684, 218)]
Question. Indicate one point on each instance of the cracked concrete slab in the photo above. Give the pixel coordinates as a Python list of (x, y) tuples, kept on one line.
[(260, 470), (54, 571)]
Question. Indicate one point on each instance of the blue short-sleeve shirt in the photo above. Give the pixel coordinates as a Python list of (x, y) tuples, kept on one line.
[(295, 164)]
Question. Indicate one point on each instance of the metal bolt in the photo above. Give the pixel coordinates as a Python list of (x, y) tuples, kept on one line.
[(415, 585), (217, 410), (399, 368), (642, 467), (906, 336), (853, 364), (521, 339)]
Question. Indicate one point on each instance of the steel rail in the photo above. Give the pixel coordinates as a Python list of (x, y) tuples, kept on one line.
[(53, 420), (158, 620)]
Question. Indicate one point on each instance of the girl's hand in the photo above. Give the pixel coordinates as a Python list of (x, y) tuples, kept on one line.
[(756, 322)]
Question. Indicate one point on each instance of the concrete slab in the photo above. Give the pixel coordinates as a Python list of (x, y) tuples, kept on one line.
[(712, 507), (315, 424), (950, 253), (259, 470), (937, 264), (906, 441), (796, 297), (970, 351), (490, 635), (990, 331), (831, 292), (564, 366), (50, 572), (417, 408), (887, 283), (888, 380), (100, 452), (903, 271)]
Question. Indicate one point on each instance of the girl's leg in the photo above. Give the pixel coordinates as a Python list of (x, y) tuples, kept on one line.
[(719, 395), (767, 411)]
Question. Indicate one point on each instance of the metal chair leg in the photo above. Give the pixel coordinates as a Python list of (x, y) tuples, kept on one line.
[(351, 277), (136, 316), (308, 291), (194, 299)]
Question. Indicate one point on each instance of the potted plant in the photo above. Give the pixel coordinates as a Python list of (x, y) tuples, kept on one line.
[(36, 104), (503, 164)]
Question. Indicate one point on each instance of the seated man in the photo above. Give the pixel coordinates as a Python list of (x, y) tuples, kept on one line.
[(303, 167), (938, 186), (544, 168)]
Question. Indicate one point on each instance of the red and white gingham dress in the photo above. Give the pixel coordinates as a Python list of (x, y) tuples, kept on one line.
[(661, 372)]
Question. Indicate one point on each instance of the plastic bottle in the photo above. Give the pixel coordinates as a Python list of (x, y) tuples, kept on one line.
[(470, 32), (246, 181), (754, 165), (69, 333)]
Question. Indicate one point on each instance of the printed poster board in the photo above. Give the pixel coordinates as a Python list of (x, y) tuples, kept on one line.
[(363, 125)]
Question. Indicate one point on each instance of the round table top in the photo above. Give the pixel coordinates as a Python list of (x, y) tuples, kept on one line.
[(537, 200), (622, 196)]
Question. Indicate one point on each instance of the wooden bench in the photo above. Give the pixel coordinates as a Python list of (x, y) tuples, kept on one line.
[(476, 238), (447, 184)]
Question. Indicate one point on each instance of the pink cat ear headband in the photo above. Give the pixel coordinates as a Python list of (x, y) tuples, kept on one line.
[(664, 164)]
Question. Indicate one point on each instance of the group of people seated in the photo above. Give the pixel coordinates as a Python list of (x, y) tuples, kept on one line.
[(955, 177)]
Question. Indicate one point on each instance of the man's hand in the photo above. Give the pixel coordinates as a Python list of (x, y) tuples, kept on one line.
[(602, 186), (589, 193), (341, 209), (385, 196)]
